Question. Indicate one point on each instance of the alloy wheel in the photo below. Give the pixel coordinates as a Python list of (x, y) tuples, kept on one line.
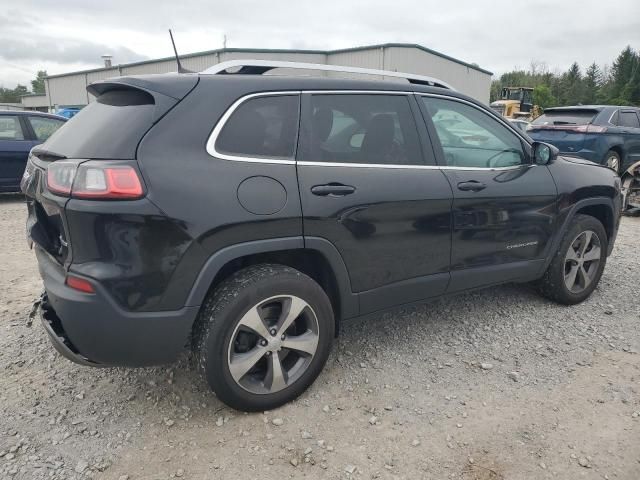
[(613, 162), (273, 344), (582, 261)]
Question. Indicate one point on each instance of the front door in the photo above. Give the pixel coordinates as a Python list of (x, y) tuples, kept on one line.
[(504, 206), (369, 185)]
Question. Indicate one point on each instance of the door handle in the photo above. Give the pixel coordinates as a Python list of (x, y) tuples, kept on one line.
[(333, 189), (471, 186)]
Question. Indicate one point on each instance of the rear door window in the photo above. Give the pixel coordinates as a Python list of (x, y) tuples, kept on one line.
[(361, 128), (263, 127), (44, 127), (10, 128), (628, 119)]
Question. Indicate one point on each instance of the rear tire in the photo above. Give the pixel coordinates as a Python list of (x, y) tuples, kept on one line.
[(613, 161), (265, 335), (577, 266)]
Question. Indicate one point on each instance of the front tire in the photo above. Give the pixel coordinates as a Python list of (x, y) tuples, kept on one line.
[(265, 335), (578, 264)]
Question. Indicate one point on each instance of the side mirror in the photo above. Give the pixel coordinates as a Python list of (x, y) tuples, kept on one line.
[(543, 153)]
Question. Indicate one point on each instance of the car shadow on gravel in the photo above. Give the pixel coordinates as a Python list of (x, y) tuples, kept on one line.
[(12, 198)]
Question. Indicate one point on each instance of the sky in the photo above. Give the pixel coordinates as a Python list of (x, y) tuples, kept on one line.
[(67, 35)]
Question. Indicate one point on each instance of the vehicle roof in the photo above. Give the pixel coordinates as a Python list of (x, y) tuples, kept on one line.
[(262, 83), (33, 113), (243, 84), (598, 108)]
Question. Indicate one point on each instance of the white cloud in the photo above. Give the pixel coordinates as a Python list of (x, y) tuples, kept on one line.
[(497, 35)]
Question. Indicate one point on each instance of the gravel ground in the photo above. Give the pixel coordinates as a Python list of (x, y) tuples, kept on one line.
[(497, 384)]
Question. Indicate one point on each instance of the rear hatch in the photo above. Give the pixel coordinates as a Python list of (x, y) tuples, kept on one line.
[(564, 127), (108, 131)]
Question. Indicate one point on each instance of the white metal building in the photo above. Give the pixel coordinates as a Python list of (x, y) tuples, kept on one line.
[(35, 101), (69, 89)]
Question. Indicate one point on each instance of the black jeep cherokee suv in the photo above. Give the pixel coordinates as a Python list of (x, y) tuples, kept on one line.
[(244, 216)]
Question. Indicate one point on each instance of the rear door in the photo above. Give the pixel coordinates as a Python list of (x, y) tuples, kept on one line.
[(629, 123), (371, 188), (504, 207), (15, 144)]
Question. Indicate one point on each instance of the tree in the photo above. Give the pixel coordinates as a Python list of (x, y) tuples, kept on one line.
[(571, 86), (542, 97), (37, 85), (8, 95), (625, 78), (591, 84)]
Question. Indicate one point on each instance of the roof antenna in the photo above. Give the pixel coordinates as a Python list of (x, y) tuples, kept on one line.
[(180, 68)]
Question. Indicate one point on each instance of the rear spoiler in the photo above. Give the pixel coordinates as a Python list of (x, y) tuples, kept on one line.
[(166, 90)]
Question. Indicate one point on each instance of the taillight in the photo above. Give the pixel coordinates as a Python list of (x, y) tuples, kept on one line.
[(79, 284), (570, 128), (94, 180), (60, 177), (590, 129)]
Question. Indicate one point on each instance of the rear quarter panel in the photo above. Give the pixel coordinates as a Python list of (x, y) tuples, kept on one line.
[(200, 192)]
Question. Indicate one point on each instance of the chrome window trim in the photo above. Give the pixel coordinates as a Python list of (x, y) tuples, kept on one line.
[(358, 92), (213, 137), (405, 167)]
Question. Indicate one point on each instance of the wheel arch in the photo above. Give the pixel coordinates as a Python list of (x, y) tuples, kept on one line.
[(315, 257), (601, 208)]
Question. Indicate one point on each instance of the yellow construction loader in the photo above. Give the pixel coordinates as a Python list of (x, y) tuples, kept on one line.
[(516, 103)]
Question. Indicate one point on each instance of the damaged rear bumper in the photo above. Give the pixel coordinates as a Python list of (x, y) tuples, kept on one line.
[(61, 342)]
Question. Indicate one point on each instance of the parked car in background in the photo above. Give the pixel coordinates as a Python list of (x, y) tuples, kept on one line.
[(521, 125), (20, 131), (605, 134), (68, 112)]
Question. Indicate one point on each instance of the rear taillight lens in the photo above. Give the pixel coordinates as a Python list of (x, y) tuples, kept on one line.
[(79, 284), (60, 177), (589, 129), (94, 180)]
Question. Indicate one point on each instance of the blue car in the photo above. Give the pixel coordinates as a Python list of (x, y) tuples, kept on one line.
[(68, 112), (605, 134), (20, 131)]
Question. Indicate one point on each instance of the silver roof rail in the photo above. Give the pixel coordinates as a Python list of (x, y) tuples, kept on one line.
[(258, 67)]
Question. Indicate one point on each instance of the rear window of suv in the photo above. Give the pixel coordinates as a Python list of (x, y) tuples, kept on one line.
[(109, 127), (566, 117)]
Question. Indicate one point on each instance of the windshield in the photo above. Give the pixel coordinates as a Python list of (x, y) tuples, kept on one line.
[(566, 117)]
